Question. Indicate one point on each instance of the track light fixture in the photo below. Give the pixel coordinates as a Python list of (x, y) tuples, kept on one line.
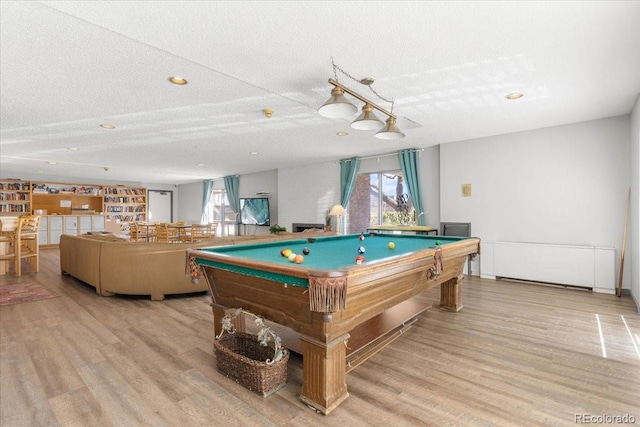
[(338, 106)]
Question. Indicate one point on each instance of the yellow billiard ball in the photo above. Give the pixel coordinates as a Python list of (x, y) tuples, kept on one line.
[(392, 245)]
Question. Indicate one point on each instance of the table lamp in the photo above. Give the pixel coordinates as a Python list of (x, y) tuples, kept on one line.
[(337, 211)]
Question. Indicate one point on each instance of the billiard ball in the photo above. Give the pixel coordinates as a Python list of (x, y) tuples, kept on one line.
[(359, 259), (361, 250), (438, 242), (361, 237), (306, 251), (391, 245), (286, 253), (292, 257), (299, 259), (282, 252)]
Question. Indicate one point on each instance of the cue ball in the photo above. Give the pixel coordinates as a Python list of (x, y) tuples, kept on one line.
[(306, 251), (438, 242), (292, 257), (361, 250), (391, 245), (359, 259)]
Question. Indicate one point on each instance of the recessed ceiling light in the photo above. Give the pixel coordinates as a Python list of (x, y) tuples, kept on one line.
[(514, 96), (107, 126), (200, 164), (73, 148), (178, 81), (342, 133), (53, 163), (253, 153)]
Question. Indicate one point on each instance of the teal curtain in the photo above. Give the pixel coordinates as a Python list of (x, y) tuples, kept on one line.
[(409, 164), (207, 186), (348, 173), (232, 187)]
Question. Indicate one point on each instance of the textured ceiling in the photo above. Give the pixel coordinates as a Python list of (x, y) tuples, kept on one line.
[(67, 67)]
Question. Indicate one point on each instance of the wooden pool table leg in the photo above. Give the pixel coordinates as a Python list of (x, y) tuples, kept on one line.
[(451, 294), (324, 384)]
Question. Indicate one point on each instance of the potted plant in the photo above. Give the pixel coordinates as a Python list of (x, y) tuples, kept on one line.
[(275, 229)]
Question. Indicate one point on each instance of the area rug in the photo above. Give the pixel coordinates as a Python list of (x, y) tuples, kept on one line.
[(24, 292)]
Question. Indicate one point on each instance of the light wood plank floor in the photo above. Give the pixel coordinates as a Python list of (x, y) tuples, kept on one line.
[(517, 354)]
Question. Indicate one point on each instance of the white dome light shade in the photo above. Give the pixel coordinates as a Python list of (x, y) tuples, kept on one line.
[(337, 106), (367, 120)]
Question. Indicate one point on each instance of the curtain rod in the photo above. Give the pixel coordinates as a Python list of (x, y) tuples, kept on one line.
[(419, 150)]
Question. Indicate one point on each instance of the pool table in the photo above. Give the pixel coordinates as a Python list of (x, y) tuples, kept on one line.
[(332, 309)]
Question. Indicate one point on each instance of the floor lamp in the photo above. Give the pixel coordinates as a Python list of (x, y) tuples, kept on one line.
[(337, 211)]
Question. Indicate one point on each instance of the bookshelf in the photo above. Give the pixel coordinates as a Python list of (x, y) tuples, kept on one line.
[(58, 198), (15, 197), (120, 203), (125, 204)]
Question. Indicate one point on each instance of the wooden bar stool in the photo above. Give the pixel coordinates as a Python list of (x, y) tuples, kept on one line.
[(23, 244), (8, 227)]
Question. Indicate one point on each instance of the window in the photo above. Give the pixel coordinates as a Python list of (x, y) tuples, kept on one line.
[(219, 211), (380, 198)]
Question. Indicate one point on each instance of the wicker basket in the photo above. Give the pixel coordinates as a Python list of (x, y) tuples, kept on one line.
[(243, 358)]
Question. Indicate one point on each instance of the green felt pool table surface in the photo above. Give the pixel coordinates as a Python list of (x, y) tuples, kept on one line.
[(335, 252)]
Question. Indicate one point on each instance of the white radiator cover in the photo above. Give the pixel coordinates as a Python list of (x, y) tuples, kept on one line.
[(584, 266)]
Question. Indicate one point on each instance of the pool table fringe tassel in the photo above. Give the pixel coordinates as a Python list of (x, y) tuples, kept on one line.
[(327, 294), (192, 269), (438, 266)]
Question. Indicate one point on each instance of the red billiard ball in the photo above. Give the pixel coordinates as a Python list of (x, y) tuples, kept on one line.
[(359, 259), (361, 237)]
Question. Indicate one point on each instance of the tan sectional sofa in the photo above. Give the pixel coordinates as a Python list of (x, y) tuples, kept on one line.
[(116, 266)]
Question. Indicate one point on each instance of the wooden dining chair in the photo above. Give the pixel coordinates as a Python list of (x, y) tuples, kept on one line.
[(181, 230), (199, 232), (212, 229), (139, 233), (134, 232), (22, 244), (166, 234)]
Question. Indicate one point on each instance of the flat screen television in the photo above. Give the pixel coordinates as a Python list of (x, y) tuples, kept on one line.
[(254, 211)]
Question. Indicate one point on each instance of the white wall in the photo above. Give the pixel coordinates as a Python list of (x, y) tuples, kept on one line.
[(633, 238), (306, 193), (565, 184), (249, 185), (190, 208)]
